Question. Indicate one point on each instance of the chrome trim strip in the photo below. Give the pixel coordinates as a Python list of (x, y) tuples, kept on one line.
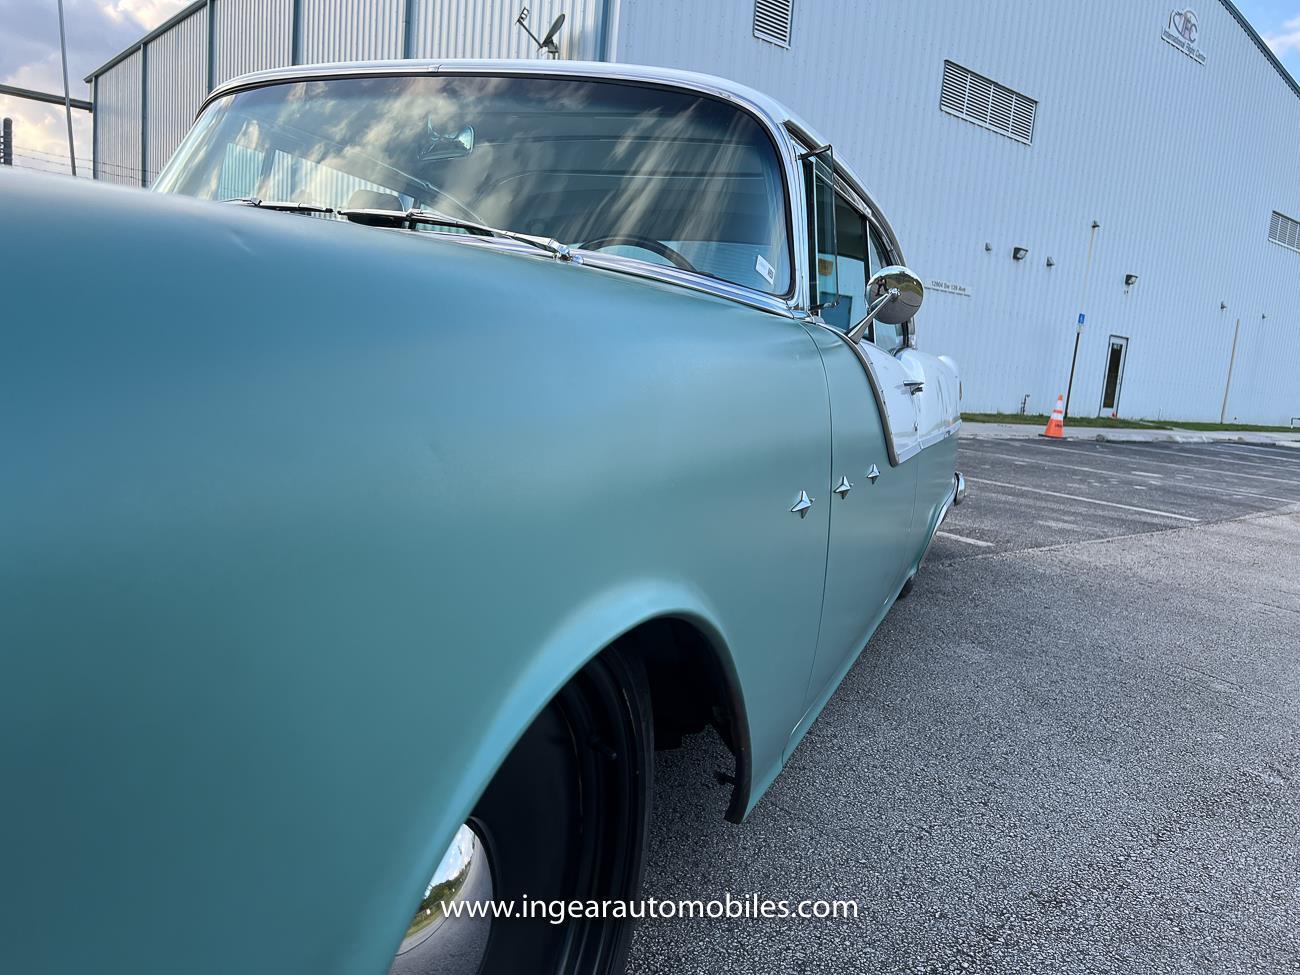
[(939, 436), (686, 279), (758, 103), (894, 458), (701, 283), (910, 451), (955, 497)]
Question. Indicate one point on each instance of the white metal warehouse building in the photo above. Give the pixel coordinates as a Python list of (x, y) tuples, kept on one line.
[(992, 134)]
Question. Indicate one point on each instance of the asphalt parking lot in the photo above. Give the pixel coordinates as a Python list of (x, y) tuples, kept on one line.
[(1074, 748)]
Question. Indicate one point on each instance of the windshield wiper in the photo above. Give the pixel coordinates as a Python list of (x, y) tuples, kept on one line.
[(549, 244), (286, 206)]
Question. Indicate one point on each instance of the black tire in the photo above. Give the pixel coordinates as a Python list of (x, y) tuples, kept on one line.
[(565, 818), (907, 587)]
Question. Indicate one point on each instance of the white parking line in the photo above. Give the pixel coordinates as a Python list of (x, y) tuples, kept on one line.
[(1076, 497), (1222, 471), (1059, 525), (1220, 452), (1243, 467), (963, 538), (1213, 489), (1274, 453)]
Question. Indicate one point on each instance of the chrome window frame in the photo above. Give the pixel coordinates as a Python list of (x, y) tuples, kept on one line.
[(794, 303), (848, 181), (869, 214)]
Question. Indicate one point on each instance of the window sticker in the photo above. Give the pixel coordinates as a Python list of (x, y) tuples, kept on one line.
[(765, 269)]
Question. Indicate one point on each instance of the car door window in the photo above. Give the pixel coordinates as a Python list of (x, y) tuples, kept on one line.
[(851, 267), (823, 284), (888, 337)]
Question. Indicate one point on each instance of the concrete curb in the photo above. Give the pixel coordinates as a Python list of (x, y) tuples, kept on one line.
[(1013, 431)]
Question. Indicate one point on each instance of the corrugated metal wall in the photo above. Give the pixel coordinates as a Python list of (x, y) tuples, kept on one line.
[(118, 121), (348, 30), (1181, 163), (176, 79), (478, 29), (250, 35)]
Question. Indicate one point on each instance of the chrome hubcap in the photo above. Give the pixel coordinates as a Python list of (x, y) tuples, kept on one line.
[(442, 938)]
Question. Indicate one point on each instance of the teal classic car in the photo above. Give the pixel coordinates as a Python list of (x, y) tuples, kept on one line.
[(432, 444)]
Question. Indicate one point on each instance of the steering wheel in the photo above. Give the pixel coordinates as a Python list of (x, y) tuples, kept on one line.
[(645, 243)]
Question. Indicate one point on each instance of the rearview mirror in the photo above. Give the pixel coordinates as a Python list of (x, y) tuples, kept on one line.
[(895, 294)]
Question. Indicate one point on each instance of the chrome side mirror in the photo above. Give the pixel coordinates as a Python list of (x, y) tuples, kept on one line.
[(895, 294)]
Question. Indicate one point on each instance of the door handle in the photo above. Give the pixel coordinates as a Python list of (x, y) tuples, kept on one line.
[(914, 386)]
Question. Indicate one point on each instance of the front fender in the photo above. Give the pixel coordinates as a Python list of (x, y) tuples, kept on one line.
[(303, 521)]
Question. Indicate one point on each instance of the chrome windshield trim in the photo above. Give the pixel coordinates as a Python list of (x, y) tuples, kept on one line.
[(771, 115), (770, 110), (685, 279), (645, 270)]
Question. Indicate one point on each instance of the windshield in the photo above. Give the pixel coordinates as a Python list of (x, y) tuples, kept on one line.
[(660, 175)]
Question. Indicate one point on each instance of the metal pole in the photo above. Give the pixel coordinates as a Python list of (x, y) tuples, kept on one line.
[(7, 142), (1078, 331), (1223, 413), (45, 97), (295, 32), (210, 81), (1069, 388), (408, 38), (67, 95)]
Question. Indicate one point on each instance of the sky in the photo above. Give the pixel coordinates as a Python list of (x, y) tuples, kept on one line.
[(29, 58), (99, 29)]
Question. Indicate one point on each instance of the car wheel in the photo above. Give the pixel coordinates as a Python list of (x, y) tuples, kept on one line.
[(907, 587), (564, 819)]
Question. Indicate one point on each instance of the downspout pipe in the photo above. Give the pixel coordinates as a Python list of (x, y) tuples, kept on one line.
[(607, 32)]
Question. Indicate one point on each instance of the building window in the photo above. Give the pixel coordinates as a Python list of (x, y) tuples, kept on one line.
[(1285, 231), (772, 20), (987, 104)]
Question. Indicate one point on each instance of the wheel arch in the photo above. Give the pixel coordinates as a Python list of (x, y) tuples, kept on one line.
[(676, 646), (671, 627)]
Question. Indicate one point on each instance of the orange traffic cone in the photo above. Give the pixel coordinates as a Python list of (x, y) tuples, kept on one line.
[(1056, 425)]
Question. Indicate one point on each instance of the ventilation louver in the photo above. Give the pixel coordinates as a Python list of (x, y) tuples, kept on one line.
[(772, 20), (1285, 231), (987, 104)]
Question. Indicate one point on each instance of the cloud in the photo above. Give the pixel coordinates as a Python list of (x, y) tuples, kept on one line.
[(145, 13), (1287, 40), (29, 58), (41, 131)]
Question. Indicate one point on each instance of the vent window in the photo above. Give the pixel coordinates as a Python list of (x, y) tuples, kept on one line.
[(1285, 231), (987, 104), (772, 20)]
